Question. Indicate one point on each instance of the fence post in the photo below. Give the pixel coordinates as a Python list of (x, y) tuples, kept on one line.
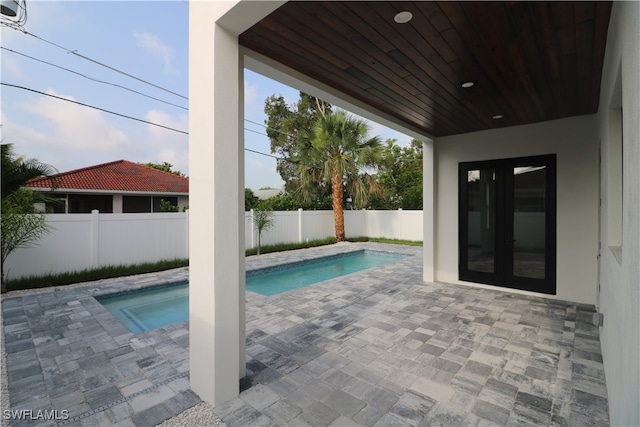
[(299, 225), (253, 234), (365, 221), (401, 236), (95, 238)]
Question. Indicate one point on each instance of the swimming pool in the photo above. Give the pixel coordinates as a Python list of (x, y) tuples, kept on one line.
[(283, 278), (147, 309)]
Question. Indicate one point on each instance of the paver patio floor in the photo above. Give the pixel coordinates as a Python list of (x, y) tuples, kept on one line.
[(379, 347)]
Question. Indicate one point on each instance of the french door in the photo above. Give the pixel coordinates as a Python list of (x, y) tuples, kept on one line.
[(507, 223)]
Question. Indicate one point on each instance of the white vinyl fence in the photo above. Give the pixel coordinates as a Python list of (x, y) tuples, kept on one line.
[(81, 241), (301, 226)]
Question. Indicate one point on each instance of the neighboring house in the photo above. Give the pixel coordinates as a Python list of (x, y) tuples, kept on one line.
[(266, 193), (115, 187)]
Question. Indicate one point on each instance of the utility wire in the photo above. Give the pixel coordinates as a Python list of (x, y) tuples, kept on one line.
[(255, 131), (129, 117), (91, 78), (265, 154), (270, 128), (95, 108), (74, 52)]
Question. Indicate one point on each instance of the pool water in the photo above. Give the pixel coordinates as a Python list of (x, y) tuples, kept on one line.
[(270, 282), (147, 309), (151, 308)]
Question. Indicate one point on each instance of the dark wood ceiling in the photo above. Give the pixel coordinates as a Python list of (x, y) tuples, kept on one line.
[(530, 61)]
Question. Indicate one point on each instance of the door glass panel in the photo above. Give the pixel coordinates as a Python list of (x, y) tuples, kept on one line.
[(529, 216), (481, 200)]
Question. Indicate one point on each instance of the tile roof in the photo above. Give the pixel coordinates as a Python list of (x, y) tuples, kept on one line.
[(121, 175)]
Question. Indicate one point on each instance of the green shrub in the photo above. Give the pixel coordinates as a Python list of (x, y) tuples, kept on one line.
[(289, 246), (384, 240), (91, 274)]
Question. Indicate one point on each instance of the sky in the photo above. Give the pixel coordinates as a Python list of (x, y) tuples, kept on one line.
[(139, 45)]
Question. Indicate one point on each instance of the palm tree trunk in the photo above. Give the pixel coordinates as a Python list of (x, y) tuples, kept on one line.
[(258, 252), (338, 210)]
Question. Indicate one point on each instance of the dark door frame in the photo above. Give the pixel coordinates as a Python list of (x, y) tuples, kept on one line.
[(503, 274)]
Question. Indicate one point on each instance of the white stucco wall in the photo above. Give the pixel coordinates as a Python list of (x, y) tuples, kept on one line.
[(620, 276), (575, 142)]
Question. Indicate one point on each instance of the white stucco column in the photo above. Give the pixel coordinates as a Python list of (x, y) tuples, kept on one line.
[(216, 195), (215, 157), (428, 211)]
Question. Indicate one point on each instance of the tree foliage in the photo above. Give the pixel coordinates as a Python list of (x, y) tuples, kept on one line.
[(250, 199), (164, 166), (20, 226), (400, 175), (399, 172), (16, 171), (287, 202), (167, 206), (285, 126)]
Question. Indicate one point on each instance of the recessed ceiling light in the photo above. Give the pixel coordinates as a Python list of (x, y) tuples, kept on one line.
[(497, 117), (467, 84), (403, 17)]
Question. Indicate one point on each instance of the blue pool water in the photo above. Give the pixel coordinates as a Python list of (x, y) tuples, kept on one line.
[(275, 281), (150, 308), (143, 310)]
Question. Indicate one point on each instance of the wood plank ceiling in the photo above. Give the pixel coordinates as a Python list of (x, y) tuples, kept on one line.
[(529, 61)]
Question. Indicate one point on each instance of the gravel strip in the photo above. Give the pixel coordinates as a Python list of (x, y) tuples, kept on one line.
[(200, 415), (4, 383)]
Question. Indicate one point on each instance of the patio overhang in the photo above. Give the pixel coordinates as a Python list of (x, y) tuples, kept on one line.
[(535, 67), (528, 61)]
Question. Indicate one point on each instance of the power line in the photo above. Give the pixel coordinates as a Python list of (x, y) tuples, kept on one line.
[(265, 154), (255, 131), (270, 128), (95, 108), (74, 52), (91, 78), (129, 117)]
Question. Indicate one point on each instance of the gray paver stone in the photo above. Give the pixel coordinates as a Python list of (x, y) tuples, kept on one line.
[(318, 414), (343, 403)]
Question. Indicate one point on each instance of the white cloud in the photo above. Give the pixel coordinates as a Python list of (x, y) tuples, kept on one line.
[(152, 44), (160, 117), (16, 133), (11, 68), (261, 173), (77, 127), (164, 145), (250, 94)]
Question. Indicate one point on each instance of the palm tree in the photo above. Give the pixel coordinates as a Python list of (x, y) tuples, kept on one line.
[(17, 171), (263, 221), (19, 226), (338, 151)]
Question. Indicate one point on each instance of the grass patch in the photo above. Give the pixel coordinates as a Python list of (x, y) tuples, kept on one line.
[(265, 249), (383, 240), (88, 275)]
